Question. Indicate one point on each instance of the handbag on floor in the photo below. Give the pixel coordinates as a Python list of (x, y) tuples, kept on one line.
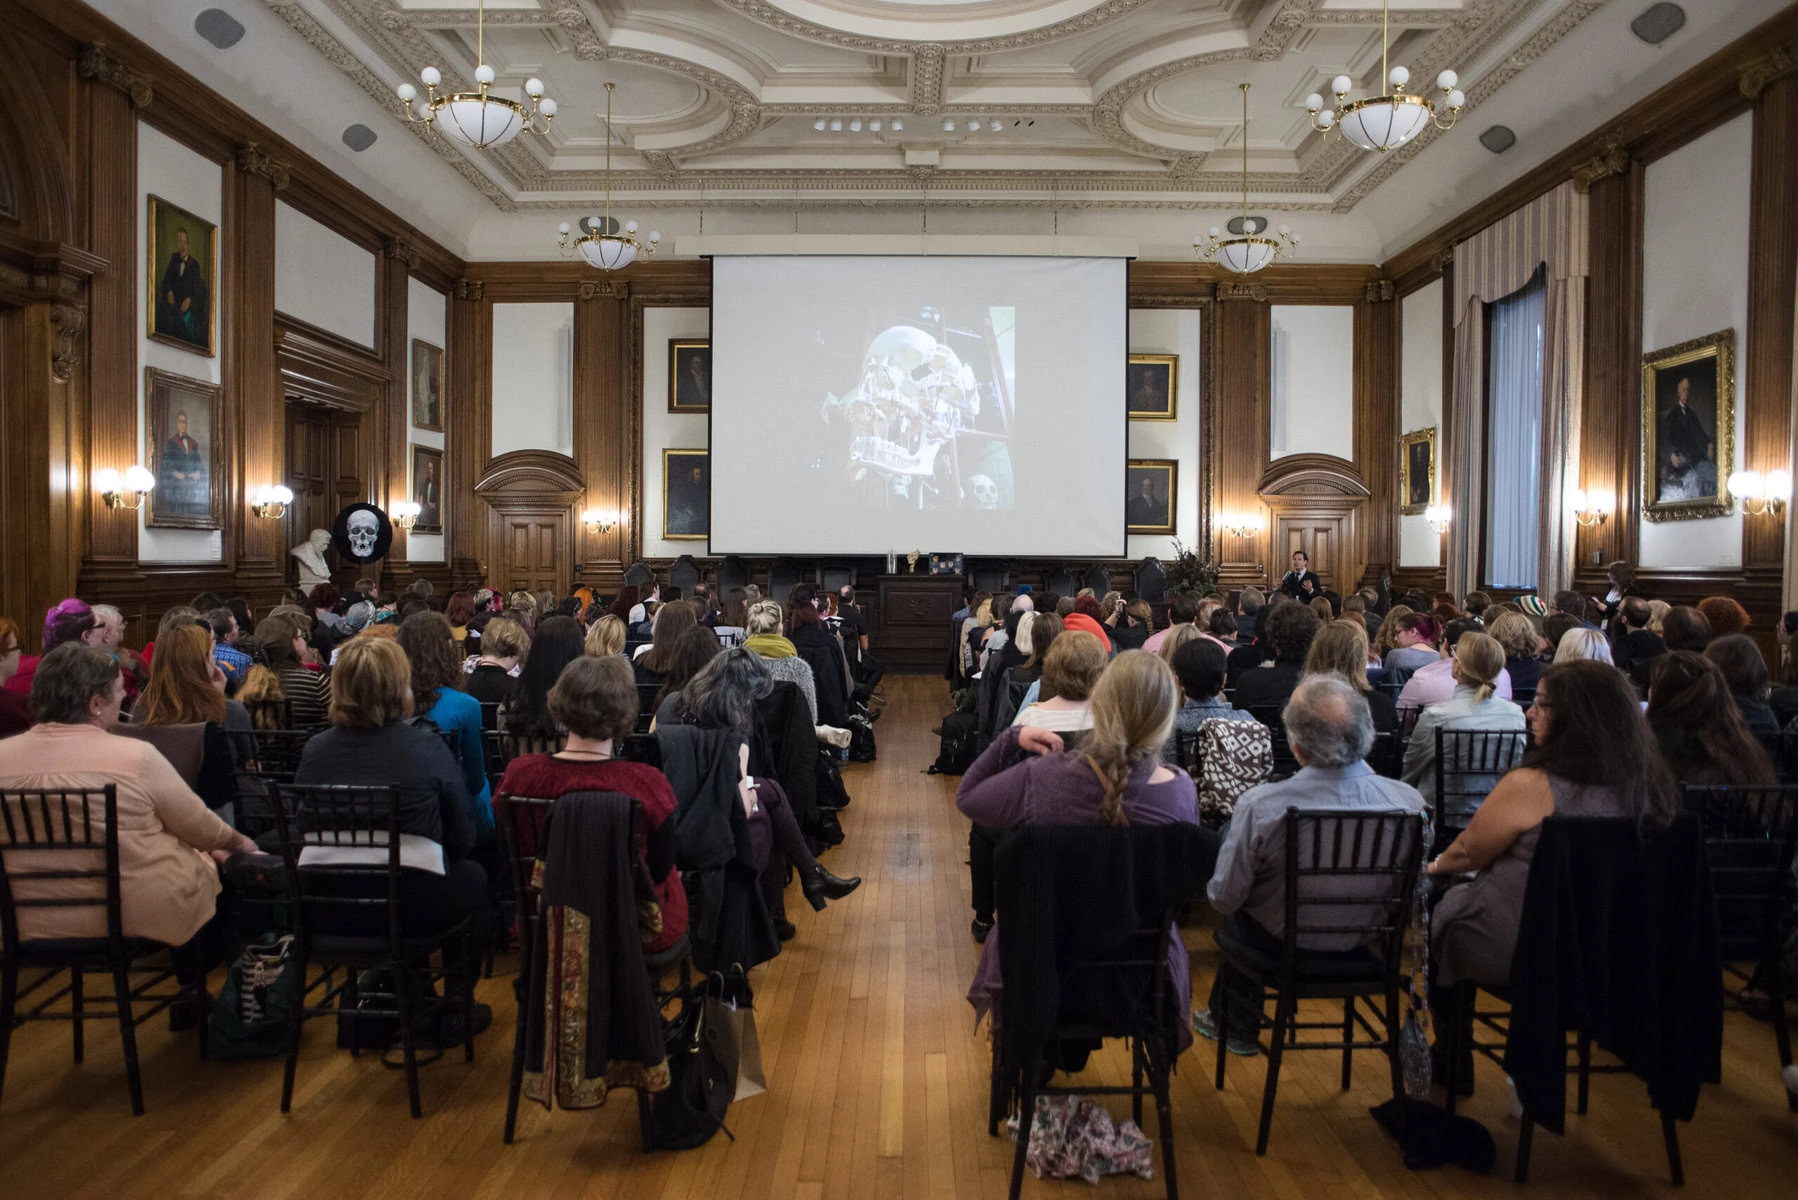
[(730, 1027), (249, 1018), (700, 1088)]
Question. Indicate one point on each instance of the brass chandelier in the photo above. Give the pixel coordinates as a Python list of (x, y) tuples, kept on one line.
[(601, 242), (477, 119), (1387, 122), (1249, 251)]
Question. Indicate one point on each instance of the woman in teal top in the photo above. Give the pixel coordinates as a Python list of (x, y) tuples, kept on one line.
[(436, 677)]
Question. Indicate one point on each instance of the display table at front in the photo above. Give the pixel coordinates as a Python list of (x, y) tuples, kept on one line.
[(911, 621)]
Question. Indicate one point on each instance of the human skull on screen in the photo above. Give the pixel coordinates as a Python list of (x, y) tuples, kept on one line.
[(985, 491), (364, 530)]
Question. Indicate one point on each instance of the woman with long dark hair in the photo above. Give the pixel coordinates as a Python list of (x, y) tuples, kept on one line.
[(559, 641), (1699, 728), (671, 620), (823, 653), (626, 599), (692, 651)]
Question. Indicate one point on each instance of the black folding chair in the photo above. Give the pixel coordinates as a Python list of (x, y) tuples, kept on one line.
[(646, 704), (1387, 757), (1273, 717), (270, 714), (1348, 873), (350, 885), (1749, 836), (1469, 763), (72, 839)]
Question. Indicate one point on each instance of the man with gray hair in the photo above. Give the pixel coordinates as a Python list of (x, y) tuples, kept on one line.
[(1331, 731)]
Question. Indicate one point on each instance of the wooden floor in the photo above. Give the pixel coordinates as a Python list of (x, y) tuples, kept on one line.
[(877, 1083)]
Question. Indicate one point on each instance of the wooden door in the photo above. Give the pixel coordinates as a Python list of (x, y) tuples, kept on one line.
[(535, 551), (324, 472), (1318, 535)]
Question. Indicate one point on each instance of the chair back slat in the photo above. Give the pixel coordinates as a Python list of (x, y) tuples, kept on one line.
[(1750, 835), (56, 834), (1350, 871), (340, 817), (521, 820), (1469, 763)]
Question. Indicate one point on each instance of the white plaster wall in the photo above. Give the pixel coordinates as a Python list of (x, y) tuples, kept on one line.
[(1420, 407), (1694, 282), (323, 278), (533, 378), (427, 317), (1171, 331), (192, 181), (1312, 371), (663, 430)]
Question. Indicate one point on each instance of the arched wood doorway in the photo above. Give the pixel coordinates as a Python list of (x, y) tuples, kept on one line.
[(531, 520)]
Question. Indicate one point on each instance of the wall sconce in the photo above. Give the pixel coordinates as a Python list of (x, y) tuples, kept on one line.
[(127, 491), (403, 513), (1238, 525), (1761, 494), (1590, 508), (271, 502), (597, 521), (1439, 516)]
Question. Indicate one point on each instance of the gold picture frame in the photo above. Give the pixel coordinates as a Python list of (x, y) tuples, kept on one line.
[(427, 386), (1153, 511), (686, 495), (172, 317), (185, 438), (1152, 387), (1417, 455), (1689, 428), (689, 375)]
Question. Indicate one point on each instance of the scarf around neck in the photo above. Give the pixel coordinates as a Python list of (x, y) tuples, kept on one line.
[(771, 645)]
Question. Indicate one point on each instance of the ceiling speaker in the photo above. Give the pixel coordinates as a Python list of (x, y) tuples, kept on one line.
[(224, 31), (1246, 226), (358, 137), (1498, 139), (1658, 22)]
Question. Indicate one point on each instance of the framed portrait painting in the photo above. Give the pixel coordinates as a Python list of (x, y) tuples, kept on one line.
[(183, 275), (427, 489), (1151, 493), (183, 420), (1688, 428), (1417, 471), (686, 495), (1150, 387), (689, 375), (427, 386)]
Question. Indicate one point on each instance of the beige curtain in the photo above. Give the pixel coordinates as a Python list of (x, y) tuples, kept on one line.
[(1490, 265)]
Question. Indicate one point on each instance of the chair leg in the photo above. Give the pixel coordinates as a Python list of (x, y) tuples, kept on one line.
[(1025, 1113), (1670, 1135), (351, 998), (295, 1020), (1528, 1127), (515, 1086), (1583, 1047), (121, 989), (1276, 1046), (1460, 1026), (77, 1005), (643, 1121), (1164, 1121), (995, 1100), (1394, 1058), (468, 1006), (1222, 1022), (9, 1001), (1348, 1035), (1782, 1034), (1136, 1056), (402, 985)]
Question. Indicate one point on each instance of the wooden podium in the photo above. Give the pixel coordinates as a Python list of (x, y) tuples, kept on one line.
[(910, 631)]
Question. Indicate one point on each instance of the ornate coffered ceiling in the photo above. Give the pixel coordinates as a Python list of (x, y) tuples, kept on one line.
[(1113, 103)]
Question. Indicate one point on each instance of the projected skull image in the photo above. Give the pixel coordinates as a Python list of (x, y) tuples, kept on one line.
[(927, 421)]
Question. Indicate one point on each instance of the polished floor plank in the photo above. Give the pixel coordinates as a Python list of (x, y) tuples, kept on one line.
[(877, 1083)]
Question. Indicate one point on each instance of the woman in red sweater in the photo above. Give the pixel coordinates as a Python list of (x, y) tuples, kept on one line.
[(595, 699)]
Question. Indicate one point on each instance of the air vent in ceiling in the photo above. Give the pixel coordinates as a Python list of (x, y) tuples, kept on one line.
[(358, 137), (1498, 138), (1658, 22), (218, 27), (1238, 226)]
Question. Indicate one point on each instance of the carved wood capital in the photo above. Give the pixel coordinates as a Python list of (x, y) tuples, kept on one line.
[(1614, 161), (1440, 260), (470, 289), (96, 64), (611, 289), (254, 160), (1765, 69), (1380, 291), (401, 251), (1241, 291), (68, 320)]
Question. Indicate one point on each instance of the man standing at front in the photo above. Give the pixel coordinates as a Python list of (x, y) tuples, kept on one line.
[(1301, 583)]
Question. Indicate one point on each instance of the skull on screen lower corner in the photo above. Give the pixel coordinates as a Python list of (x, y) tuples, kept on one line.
[(984, 491)]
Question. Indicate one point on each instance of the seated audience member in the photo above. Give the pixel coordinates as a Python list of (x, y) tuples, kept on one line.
[(1593, 756), (733, 617), (1724, 614), (1657, 616), (1583, 642), (108, 634), (1633, 647), (1064, 693), (559, 641), (435, 663), (625, 603), (1522, 646), (1179, 636), (692, 651), (1575, 605), (1476, 666), (780, 657), (1132, 631), (1340, 649), (1085, 622), (1784, 697), (1289, 633), (187, 687), (224, 644), (1326, 612), (371, 743), (1331, 732), (1436, 683), (1556, 626), (521, 606), (1117, 778), (595, 700), (1199, 668), (1415, 640), (1219, 627), (1256, 651), (605, 637), (458, 610), (1249, 603), (1384, 637), (1183, 608), (1745, 671), (1686, 628), (1700, 730), (170, 843), (493, 673), (15, 707), (67, 621), (1034, 643), (670, 621), (973, 626), (1476, 603)]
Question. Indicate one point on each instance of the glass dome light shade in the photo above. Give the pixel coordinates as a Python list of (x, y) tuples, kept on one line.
[(1245, 256), (1385, 123), (138, 479), (608, 253), (107, 479), (478, 123)]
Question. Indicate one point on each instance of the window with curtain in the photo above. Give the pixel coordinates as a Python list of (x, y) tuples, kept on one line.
[(1514, 436)]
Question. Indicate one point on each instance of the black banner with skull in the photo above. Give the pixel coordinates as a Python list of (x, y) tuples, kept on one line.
[(362, 533)]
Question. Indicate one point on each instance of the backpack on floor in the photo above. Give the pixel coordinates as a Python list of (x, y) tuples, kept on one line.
[(861, 738), (960, 746)]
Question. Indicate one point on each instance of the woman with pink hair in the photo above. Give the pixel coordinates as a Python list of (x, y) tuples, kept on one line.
[(65, 622)]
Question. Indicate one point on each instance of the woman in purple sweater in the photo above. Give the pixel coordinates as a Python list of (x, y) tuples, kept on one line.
[(1025, 778)]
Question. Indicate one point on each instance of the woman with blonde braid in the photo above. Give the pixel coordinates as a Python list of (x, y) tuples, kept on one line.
[(1116, 778)]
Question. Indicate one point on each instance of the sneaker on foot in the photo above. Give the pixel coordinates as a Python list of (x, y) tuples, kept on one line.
[(1206, 1027)]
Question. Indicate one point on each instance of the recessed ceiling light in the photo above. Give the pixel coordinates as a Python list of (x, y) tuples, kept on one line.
[(993, 126), (358, 137), (1498, 138), (820, 124), (836, 125), (855, 126), (218, 27), (898, 125), (973, 126), (1658, 22), (949, 125), (874, 125)]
